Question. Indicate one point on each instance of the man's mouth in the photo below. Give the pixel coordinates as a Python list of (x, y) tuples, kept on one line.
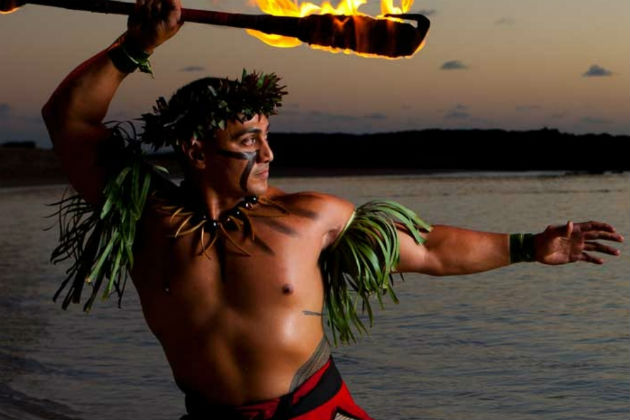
[(262, 172)]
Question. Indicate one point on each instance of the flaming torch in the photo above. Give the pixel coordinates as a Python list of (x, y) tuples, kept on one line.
[(341, 28)]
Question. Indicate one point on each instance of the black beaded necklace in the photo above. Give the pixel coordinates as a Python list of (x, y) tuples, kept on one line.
[(194, 218), (235, 219), (210, 230)]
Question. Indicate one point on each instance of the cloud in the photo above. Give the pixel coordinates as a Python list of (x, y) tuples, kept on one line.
[(596, 71), (595, 120), (19, 129), (331, 120), (456, 115), (192, 68), (457, 112), (527, 108), (330, 117), (33, 119), (10, 118), (558, 115), (507, 21), (375, 116), (453, 65), (4, 109), (328, 122)]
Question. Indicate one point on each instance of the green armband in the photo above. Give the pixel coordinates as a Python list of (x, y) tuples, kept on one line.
[(522, 247), (127, 59)]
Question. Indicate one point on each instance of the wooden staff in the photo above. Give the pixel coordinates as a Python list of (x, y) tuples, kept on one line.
[(362, 34)]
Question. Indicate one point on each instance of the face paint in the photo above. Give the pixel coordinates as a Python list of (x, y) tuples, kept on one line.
[(250, 157)]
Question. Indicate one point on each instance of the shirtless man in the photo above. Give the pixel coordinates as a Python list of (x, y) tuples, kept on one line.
[(238, 328)]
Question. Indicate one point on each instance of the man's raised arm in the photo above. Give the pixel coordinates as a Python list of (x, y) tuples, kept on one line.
[(451, 251), (74, 113)]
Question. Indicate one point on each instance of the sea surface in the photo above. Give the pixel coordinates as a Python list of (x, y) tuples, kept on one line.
[(523, 342)]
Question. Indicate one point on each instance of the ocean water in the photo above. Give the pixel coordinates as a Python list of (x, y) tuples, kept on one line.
[(523, 342)]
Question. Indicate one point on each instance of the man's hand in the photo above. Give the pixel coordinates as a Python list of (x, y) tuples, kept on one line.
[(153, 22), (569, 243)]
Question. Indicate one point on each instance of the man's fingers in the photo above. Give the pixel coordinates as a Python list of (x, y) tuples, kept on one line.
[(145, 11), (137, 12), (596, 246), (593, 225), (173, 10), (157, 9), (172, 5), (589, 258), (608, 236), (569, 229)]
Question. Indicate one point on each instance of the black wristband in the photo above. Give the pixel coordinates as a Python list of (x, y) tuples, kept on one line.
[(127, 59), (522, 247)]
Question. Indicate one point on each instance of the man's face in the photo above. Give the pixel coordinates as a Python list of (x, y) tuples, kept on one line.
[(239, 157)]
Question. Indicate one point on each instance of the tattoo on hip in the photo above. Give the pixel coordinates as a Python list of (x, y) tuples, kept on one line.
[(318, 359)]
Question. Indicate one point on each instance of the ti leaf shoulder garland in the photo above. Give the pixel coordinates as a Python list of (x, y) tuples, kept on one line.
[(99, 239), (359, 264)]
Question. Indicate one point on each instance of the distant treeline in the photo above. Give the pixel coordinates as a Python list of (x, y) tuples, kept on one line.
[(470, 150), (305, 154), (26, 144)]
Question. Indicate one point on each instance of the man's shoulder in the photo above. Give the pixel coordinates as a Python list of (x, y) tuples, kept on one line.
[(314, 200), (329, 211)]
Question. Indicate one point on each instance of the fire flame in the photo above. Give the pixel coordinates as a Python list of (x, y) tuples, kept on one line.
[(345, 7), (9, 6)]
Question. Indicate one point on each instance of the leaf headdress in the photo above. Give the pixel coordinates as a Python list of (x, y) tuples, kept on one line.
[(205, 105)]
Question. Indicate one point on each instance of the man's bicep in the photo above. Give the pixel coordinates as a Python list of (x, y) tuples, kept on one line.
[(78, 144), (414, 257)]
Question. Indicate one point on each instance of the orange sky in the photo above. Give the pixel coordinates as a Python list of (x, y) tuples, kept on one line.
[(487, 64)]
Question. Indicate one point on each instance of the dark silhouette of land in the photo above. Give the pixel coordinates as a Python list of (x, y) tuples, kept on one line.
[(307, 154), (453, 150), (21, 163)]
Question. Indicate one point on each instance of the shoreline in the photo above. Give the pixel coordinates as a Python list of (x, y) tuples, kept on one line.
[(60, 181)]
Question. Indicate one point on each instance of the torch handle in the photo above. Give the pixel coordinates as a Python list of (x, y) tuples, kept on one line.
[(238, 20), (359, 33)]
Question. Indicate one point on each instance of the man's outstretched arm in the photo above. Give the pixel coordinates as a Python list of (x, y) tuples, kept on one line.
[(75, 111), (453, 251)]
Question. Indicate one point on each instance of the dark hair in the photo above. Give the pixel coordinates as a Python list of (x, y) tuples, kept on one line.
[(204, 105)]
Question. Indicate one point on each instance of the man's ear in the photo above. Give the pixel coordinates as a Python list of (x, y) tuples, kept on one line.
[(193, 150)]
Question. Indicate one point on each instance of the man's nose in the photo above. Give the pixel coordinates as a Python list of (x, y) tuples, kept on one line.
[(265, 154)]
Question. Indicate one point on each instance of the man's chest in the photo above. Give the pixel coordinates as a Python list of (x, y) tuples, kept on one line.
[(275, 264)]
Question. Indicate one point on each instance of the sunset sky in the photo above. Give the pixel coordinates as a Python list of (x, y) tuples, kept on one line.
[(509, 64)]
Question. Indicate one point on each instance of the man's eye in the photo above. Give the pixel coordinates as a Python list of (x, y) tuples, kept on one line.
[(249, 141)]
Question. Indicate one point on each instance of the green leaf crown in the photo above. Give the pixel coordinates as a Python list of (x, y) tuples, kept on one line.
[(207, 104)]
